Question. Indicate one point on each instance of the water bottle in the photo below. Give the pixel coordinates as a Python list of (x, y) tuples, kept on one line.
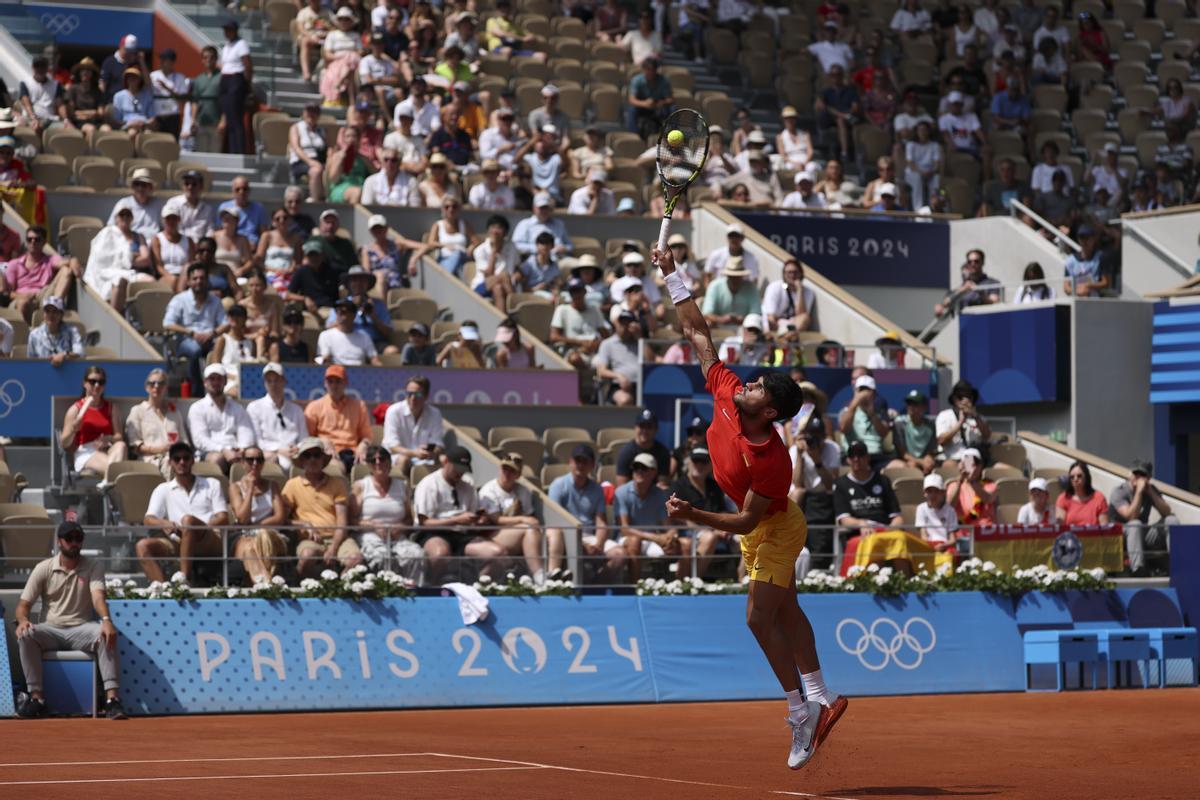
[(185, 388)]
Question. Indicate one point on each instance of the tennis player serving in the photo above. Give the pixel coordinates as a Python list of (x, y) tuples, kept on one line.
[(752, 467)]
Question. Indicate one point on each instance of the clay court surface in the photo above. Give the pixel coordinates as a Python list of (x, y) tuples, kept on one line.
[(1136, 743)]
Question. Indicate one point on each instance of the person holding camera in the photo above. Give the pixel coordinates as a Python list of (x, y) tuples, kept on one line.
[(961, 426), (371, 315), (862, 421), (413, 428), (815, 462)]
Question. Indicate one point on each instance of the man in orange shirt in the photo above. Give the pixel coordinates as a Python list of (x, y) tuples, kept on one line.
[(340, 419), (752, 466)]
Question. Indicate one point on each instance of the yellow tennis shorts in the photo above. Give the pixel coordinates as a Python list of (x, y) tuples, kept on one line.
[(771, 549)]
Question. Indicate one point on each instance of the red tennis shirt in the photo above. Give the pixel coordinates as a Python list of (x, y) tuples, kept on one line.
[(738, 464)]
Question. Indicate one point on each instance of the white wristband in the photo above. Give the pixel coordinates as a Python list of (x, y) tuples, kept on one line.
[(676, 287)]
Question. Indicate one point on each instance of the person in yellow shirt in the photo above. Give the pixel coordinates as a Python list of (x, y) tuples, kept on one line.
[(317, 504), (506, 38)]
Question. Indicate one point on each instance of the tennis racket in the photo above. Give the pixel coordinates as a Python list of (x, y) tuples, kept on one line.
[(679, 164)]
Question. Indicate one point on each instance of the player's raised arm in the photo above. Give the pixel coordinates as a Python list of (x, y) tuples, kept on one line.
[(695, 328)]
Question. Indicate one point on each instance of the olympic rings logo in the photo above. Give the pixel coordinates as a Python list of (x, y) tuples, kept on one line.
[(12, 394), (886, 638), (60, 24)]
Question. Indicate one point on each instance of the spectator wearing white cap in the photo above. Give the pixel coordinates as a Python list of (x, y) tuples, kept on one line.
[(887, 200), (113, 69), (146, 208), (720, 164), (543, 221), (788, 304), (411, 147), (465, 352), (550, 114), (755, 145), (391, 186), (970, 495), (936, 519), (219, 426), (1038, 510), (861, 421), (640, 509), (748, 346), (962, 132), (633, 265), (172, 250), (735, 237), (52, 340), (803, 196), (278, 423), (593, 197)]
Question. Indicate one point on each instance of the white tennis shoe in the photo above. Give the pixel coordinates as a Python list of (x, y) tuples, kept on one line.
[(804, 735)]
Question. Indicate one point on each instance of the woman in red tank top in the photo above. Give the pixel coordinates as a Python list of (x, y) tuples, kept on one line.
[(91, 427)]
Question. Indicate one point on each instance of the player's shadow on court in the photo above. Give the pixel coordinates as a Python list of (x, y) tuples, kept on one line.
[(918, 791)]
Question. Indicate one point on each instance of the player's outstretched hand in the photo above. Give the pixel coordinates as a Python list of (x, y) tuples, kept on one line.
[(665, 259), (679, 509)]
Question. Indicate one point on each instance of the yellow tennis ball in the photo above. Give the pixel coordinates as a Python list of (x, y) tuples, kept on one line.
[(675, 138)]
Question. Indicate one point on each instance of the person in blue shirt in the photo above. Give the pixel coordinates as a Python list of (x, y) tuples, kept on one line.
[(198, 318), (525, 235), (372, 316), (253, 220), (640, 508), (52, 340), (1082, 274), (1011, 110), (651, 99), (133, 106), (540, 272), (583, 497)]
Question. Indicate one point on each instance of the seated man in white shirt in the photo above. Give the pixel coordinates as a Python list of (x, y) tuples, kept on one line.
[(344, 344), (391, 186), (493, 192), (186, 509), (788, 304), (748, 346), (735, 235), (413, 428), (279, 423), (220, 427), (593, 197), (510, 506), (804, 196)]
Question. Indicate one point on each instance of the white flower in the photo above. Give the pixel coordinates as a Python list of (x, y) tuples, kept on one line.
[(485, 579), (989, 566), (178, 577), (358, 587), (526, 581), (872, 567), (886, 572), (231, 592), (329, 575), (278, 580), (1098, 574), (310, 585), (854, 571), (881, 580)]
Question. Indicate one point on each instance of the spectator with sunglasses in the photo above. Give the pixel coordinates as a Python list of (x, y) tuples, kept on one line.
[(37, 274), (71, 589), (279, 423), (155, 424), (317, 503), (413, 428), (254, 500), (186, 510), (340, 419), (91, 426)]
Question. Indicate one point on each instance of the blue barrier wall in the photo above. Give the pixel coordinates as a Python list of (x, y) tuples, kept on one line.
[(863, 251), (26, 389), (254, 655), (1019, 356), (76, 24)]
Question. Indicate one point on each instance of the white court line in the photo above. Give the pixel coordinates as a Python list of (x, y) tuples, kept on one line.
[(205, 760), (284, 775), (818, 796), (595, 771)]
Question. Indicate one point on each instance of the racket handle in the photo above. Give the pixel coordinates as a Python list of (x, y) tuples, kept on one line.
[(663, 232)]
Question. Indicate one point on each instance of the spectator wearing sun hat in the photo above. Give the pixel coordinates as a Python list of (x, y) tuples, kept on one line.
[(371, 313), (731, 297), (492, 193), (146, 208), (133, 106)]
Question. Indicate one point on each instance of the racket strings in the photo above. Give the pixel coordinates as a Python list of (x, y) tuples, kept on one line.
[(678, 165)]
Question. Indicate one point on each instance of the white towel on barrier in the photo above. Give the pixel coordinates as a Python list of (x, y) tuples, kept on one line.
[(471, 604)]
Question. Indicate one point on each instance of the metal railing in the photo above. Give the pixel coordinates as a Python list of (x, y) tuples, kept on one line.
[(1063, 241), (711, 555), (788, 354)]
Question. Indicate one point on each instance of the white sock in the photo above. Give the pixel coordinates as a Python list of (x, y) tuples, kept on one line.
[(814, 687), (795, 702)]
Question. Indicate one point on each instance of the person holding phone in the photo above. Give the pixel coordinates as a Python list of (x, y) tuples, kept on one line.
[(961, 426), (413, 428)]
